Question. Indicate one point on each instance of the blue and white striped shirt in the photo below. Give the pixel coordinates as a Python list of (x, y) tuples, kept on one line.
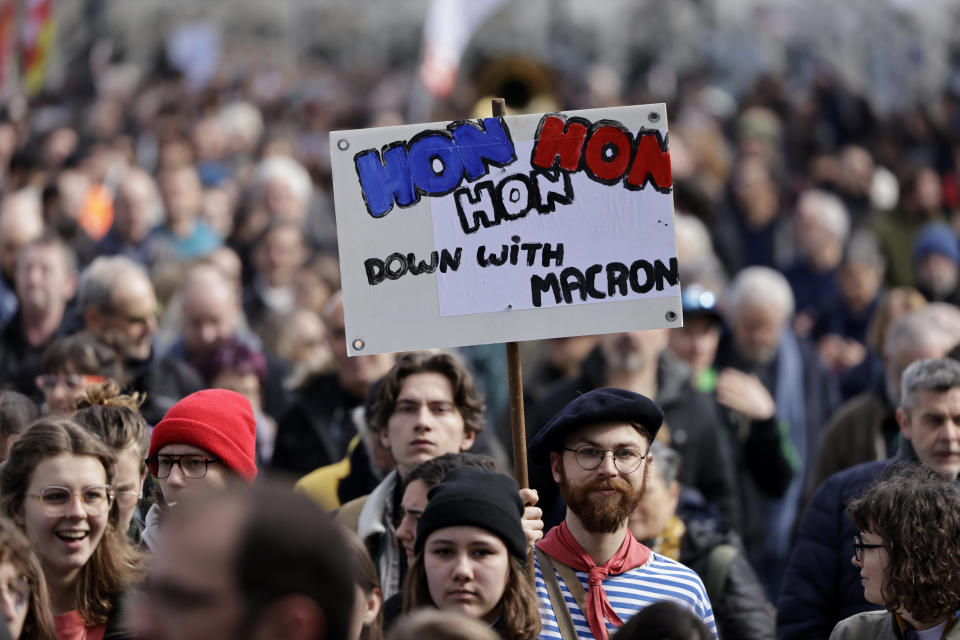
[(660, 578)]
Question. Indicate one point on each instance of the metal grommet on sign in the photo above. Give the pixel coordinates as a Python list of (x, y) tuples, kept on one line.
[(358, 344), (343, 145), (653, 116), (671, 316)]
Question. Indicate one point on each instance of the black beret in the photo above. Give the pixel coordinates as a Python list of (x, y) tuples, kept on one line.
[(599, 405), (475, 497)]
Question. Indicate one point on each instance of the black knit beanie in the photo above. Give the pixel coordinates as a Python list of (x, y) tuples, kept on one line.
[(475, 497)]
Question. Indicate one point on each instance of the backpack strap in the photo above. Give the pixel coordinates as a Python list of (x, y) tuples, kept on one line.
[(573, 584), (560, 611), (718, 569)]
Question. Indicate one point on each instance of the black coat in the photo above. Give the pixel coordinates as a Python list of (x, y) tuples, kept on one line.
[(165, 381), (742, 612), (21, 362), (758, 447), (821, 586), (316, 428)]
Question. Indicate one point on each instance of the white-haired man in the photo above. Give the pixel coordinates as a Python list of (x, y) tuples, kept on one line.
[(777, 396), (820, 230)]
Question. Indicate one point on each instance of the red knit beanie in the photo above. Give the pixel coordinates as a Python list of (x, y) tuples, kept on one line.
[(218, 421)]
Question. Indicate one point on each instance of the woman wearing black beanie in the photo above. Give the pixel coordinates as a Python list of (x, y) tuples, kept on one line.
[(471, 553)]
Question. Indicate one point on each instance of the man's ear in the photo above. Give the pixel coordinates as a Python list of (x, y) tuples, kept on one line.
[(556, 463), (292, 617), (904, 421), (469, 437), (385, 438)]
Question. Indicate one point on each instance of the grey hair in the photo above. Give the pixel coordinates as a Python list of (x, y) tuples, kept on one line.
[(863, 249), (828, 210), (290, 171), (759, 286), (98, 281), (666, 463), (691, 229), (931, 374), (918, 329)]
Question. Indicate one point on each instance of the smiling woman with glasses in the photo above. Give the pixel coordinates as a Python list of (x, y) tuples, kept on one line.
[(908, 553), (57, 486)]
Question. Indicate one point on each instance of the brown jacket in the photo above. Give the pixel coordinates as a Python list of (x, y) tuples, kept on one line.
[(853, 435)]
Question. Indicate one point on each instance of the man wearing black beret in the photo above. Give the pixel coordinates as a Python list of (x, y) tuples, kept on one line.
[(597, 448)]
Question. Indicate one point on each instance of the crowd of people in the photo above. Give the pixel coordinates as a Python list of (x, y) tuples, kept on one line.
[(188, 452)]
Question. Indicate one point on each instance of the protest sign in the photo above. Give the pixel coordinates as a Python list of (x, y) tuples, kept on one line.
[(505, 229)]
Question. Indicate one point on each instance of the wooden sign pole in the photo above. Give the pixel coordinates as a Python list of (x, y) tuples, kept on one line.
[(515, 376), (518, 427)]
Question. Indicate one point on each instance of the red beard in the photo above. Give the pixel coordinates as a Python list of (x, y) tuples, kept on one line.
[(597, 513)]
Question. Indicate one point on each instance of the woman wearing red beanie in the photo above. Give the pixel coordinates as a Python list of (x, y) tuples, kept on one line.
[(205, 441)]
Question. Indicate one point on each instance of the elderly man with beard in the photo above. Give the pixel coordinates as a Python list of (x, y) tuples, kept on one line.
[(775, 398), (591, 574)]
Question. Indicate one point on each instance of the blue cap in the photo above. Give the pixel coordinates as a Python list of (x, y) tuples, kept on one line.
[(599, 405), (939, 238)]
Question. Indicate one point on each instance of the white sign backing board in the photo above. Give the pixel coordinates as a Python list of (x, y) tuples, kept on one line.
[(506, 229)]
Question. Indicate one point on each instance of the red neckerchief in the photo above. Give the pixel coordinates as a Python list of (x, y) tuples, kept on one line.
[(559, 543)]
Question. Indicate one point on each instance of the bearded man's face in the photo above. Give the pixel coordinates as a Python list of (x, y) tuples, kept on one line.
[(602, 498)]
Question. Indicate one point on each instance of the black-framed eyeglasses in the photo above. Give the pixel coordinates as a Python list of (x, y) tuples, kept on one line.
[(191, 465), (625, 459), (859, 546)]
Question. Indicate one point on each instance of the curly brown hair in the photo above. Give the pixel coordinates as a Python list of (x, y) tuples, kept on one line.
[(520, 618), (465, 396), (916, 513)]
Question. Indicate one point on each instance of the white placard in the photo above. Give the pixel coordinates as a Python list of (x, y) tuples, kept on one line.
[(502, 229)]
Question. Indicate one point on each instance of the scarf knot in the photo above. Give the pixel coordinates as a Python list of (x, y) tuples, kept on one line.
[(597, 574), (560, 544)]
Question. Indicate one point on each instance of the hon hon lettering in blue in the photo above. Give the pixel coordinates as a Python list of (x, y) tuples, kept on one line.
[(433, 163)]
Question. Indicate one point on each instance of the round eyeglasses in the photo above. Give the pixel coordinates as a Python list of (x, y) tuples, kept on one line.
[(56, 500), (126, 499), (192, 466), (859, 547), (625, 459)]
